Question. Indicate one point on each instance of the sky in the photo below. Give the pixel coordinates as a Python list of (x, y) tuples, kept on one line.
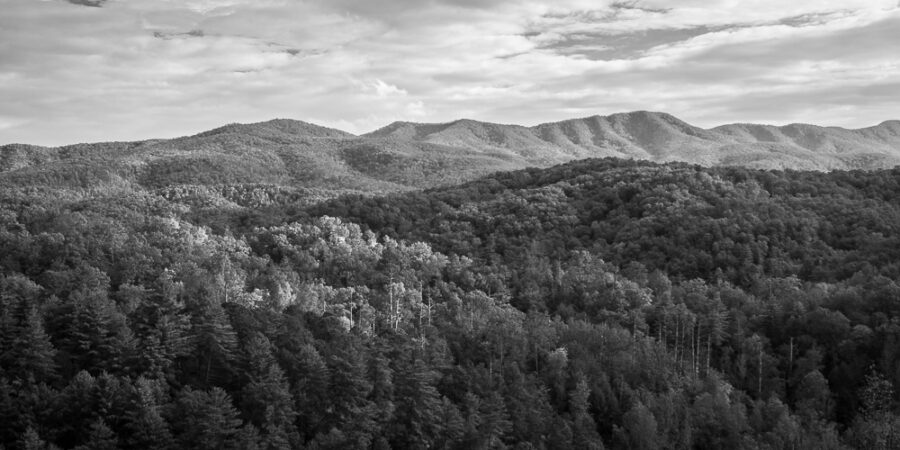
[(120, 70)]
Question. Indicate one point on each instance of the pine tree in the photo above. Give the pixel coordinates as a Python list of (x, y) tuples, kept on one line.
[(529, 407), (349, 388), (205, 420), (30, 353), (641, 428), (382, 392), (214, 346), (161, 329), (78, 409), (144, 422), (267, 399), (495, 423), (561, 435), (89, 333), (14, 424), (310, 389), (453, 426), (31, 440), (416, 419), (101, 437), (584, 429), (25, 349)]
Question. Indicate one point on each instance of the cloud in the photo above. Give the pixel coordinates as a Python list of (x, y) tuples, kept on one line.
[(160, 68), (93, 3), (382, 89)]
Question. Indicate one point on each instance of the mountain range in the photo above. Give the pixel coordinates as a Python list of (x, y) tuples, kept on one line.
[(406, 155)]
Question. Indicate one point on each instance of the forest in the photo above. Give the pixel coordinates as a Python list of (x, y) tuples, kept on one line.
[(599, 304)]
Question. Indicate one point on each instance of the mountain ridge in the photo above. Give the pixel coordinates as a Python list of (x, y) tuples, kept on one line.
[(660, 136), (410, 155), (231, 127)]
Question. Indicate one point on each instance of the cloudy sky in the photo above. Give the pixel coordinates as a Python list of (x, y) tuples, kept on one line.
[(93, 70)]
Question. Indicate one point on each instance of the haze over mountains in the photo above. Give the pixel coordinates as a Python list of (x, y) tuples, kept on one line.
[(406, 155)]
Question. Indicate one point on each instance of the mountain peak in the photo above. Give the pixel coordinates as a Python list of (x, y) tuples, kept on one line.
[(397, 129), (642, 113), (279, 126)]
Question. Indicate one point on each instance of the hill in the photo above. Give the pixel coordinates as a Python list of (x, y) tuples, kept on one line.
[(295, 155), (661, 137), (602, 303), (284, 153)]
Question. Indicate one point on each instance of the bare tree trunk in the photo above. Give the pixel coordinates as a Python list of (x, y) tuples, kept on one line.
[(791, 359), (393, 309), (677, 328), (665, 331), (501, 354), (697, 364), (759, 382), (693, 350), (695, 343)]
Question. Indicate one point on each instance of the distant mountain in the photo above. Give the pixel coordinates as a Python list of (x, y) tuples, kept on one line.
[(283, 128), (405, 155), (284, 153), (662, 137)]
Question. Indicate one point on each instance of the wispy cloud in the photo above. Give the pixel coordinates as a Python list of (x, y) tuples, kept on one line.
[(92, 3), (85, 70)]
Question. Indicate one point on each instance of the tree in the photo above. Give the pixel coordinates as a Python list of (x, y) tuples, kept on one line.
[(309, 388), (877, 426), (214, 345), (267, 400), (161, 328), (30, 355), (205, 420), (813, 398), (381, 395), (89, 332), (145, 425), (717, 422), (416, 420), (584, 429), (349, 389), (640, 428), (100, 438), (31, 440)]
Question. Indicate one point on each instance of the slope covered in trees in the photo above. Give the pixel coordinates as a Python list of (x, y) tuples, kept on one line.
[(599, 304), (296, 156), (661, 137)]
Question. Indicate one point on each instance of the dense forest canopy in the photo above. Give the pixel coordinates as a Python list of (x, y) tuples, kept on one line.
[(598, 304)]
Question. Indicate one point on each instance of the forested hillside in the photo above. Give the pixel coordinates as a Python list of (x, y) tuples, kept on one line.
[(294, 157), (598, 304), (287, 155)]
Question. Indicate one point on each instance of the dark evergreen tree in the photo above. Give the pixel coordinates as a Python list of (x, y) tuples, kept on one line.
[(145, 425), (100, 438), (205, 420), (416, 420), (214, 345), (266, 399)]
